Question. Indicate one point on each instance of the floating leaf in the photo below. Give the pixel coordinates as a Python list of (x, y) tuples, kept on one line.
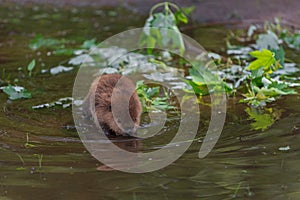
[(89, 43), (108, 70), (39, 41), (64, 51), (60, 69), (284, 148), (78, 60), (63, 102), (16, 92)]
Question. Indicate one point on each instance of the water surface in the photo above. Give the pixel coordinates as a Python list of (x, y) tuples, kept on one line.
[(245, 164)]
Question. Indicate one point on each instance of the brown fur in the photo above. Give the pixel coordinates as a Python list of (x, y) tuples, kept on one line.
[(117, 107)]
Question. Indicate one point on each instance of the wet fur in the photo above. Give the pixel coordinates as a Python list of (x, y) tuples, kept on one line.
[(110, 109)]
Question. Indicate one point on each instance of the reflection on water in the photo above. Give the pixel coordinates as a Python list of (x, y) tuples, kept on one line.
[(245, 164)]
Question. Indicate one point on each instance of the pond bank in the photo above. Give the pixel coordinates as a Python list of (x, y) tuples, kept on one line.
[(207, 12)]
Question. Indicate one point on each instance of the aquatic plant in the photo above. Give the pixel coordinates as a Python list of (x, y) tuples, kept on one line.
[(16, 92), (161, 30), (30, 67), (264, 77), (262, 88), (41, 42), (28, 144), (152, 98)]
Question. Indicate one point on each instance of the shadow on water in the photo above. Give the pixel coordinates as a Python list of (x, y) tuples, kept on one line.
[(41, 156)]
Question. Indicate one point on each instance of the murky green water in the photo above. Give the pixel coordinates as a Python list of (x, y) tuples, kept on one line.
[(245, 164)]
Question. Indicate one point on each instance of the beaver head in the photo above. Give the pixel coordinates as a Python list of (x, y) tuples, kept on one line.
[(117, 107)]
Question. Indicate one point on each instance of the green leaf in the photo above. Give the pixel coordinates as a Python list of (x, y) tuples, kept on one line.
[(197, 88), (31, 66), (264, 58), (257, 81), (39, 41), (282, 88), (149, 96), (293, 41), (67, 52), (279, 55), (181, 17), (261, 120), (151, 92), (89, 43), (274, 92), (164, 21), (28, 145), (16, 92), (20, 168), (268, 41)]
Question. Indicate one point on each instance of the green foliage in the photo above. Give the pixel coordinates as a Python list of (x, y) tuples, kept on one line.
[(16, 92), (263, 119), (161, 29), (64, 51), (30, 67), (263, 76), (40, 42), (89, 43), (182, 13), (198, 82), (259, 76), (265, 60), (257, 96), (293, 40), (58, 45), (150, 97), (279, 55), (267, 40), (262, 88), (204, 82)]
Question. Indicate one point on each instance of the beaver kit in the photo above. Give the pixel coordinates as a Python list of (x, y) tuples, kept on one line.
[(113, 104)]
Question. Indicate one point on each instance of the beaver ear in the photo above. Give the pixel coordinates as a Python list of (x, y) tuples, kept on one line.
[(109, 108)]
